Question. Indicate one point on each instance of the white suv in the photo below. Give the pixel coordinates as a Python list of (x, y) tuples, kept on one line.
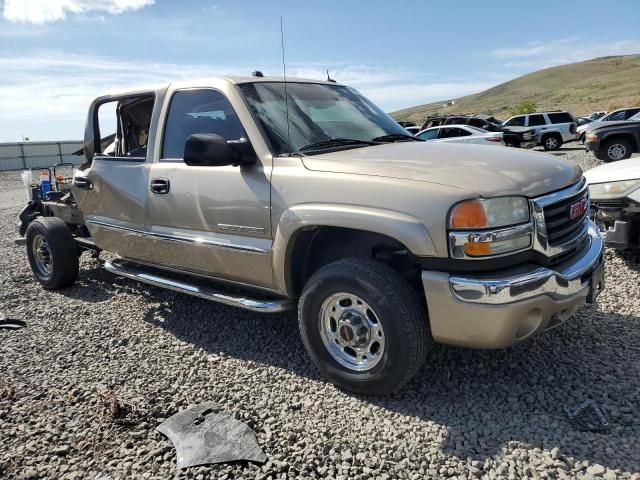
[(553, 128)]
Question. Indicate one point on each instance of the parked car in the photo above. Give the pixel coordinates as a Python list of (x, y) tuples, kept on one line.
[(412, 130), (612, 141), (582, 124), (596, 115), (621, 114), (518, 137), (309, 197), (553, 128), (461, 134), (615, 202)]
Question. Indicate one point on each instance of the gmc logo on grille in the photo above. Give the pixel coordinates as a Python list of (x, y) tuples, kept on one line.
[(578, 209)]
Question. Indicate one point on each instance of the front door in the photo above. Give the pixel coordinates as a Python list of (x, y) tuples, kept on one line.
[(209, 220)]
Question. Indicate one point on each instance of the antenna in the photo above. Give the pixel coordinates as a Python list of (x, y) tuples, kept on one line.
[(284, 75), (329, 79)]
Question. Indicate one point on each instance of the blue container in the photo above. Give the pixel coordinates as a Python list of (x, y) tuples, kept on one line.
[(45, 187)]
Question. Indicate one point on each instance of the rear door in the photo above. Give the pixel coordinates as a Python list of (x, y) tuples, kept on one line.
[(209, 220), (112, 192)]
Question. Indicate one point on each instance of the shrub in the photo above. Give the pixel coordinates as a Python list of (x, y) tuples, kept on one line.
[(524, 107)]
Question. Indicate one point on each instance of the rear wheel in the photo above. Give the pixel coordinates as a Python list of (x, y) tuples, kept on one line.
[(615, 149), (363, 326), (52, 253), (552, 141)]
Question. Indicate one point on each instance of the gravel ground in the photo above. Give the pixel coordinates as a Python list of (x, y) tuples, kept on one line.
[(100, 364)]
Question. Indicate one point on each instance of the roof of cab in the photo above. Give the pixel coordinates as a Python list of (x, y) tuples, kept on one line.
[(199, 82)]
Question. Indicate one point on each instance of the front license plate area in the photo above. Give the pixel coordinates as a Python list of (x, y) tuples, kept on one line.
[(596, 283)]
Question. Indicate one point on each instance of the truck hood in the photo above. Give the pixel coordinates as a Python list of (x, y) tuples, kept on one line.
[(614, 172), (481, 169), (618, 123)]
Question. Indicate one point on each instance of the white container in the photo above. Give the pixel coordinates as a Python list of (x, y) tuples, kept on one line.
[(27, 179)]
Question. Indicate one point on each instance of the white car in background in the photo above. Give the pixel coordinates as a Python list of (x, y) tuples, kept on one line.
[(461, 134), (596, 115), (614, 189)]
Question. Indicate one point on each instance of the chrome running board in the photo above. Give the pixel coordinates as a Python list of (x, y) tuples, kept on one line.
[(137, 272)]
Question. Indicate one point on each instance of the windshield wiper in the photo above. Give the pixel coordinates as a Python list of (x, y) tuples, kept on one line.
[(336, 142), (396, 137)]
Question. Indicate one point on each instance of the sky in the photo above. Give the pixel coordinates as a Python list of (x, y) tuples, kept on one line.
[(57, 55)]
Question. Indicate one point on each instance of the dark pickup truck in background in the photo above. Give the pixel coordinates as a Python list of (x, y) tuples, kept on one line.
[(613, 141), (520, 137)]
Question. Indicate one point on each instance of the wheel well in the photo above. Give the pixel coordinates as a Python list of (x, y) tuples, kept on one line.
[(624, 136), (551, 134), (314, 248)]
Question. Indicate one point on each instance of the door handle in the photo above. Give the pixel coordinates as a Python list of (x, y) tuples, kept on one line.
[(160, 185), (83, 183)]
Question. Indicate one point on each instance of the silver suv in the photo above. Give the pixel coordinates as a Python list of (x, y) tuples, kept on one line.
[(553, 128)]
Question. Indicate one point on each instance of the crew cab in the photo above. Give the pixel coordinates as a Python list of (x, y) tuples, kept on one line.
[(612, 141), (305, 195)]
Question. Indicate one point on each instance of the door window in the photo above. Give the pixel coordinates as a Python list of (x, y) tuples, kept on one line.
[(429, 134), (198, 111), (452, 132), (516, 122)]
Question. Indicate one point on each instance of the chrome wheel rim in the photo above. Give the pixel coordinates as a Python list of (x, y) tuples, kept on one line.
[(351, 332), (42, 256), (616, 151), (552, 142)]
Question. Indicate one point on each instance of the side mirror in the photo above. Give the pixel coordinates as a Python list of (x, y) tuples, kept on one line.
[(211, 150)]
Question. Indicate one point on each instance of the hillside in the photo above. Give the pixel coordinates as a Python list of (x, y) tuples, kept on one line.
[(599, 84)]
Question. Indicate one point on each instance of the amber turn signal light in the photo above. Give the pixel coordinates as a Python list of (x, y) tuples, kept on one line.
[(477, 249)]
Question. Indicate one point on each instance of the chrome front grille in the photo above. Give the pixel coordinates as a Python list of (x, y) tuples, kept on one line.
[(557, 217), (557, 234)]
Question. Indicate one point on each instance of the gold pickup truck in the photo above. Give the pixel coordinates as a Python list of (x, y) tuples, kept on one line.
[(271, 196)]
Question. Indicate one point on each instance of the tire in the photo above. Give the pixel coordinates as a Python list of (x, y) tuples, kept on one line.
[(615, 149), (365, 290), (52, 253), (551, 142)]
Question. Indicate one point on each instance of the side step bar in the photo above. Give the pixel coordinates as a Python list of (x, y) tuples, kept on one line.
[(136, 272)]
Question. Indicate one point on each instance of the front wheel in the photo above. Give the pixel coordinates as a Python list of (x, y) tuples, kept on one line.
[(363, 326), (616, 149), (52, 253)]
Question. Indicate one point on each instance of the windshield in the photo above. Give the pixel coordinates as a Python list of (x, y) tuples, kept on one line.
[(317, 113)]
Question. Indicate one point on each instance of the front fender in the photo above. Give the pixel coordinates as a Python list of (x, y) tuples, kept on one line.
[(404, 228)]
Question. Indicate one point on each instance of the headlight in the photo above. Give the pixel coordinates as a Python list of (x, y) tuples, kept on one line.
[(591, 137), (490, 227), (603, 191), (489, 213)]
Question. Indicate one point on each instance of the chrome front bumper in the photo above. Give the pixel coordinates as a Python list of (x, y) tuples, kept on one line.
[(524, 282), (496, 310)]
